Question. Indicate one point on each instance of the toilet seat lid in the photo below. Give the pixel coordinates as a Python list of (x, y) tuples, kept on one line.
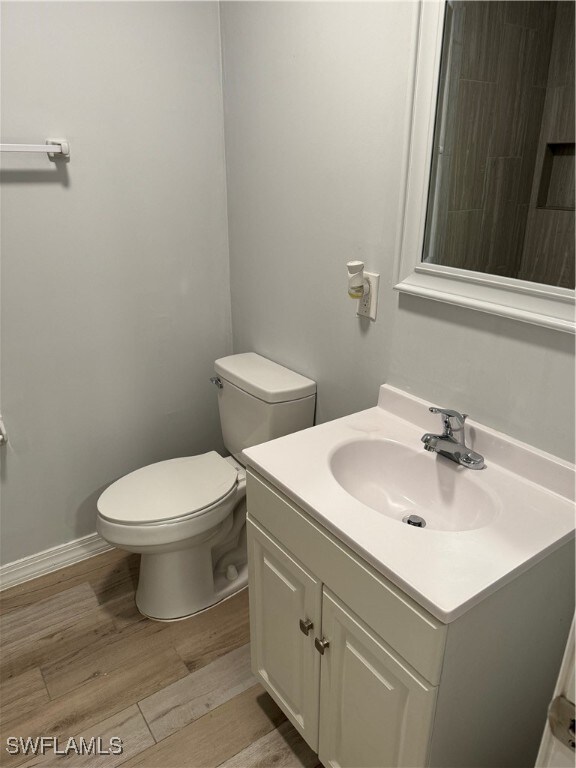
[(168, 489)]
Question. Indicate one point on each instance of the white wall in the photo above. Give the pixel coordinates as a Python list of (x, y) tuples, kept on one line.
[(317, 98), (115, 266)]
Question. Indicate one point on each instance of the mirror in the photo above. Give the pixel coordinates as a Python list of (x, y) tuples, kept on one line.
[(501, 192)]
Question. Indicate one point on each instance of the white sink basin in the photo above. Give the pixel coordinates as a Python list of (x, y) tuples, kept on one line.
[(358, 476), (398, 481)]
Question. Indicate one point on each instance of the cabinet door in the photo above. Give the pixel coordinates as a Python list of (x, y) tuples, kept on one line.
[(375, 711), (282, 593)]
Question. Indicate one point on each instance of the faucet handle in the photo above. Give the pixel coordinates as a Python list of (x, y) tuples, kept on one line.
[(453, 420)]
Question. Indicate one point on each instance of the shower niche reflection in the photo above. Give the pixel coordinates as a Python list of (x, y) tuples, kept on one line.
[(501, 195)]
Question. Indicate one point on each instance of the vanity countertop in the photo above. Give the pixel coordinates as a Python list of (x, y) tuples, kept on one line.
[(446, 571)]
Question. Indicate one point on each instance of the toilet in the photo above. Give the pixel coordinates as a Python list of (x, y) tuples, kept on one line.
[(187, 516)]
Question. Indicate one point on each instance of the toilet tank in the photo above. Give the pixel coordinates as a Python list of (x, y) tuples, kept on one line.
[(260, 400)]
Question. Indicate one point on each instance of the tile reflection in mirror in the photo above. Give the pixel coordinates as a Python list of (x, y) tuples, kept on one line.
[(501, 197)]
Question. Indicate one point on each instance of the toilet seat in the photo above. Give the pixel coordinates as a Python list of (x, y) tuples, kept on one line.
[(169, 491)]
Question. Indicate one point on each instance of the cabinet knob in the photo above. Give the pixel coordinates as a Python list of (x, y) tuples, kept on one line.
[(321, 645), (306, 626)]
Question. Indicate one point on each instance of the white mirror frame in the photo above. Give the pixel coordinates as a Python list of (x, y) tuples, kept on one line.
[(535, 303)]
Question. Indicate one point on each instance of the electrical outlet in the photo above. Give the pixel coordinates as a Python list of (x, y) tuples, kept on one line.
[(364, 305), (368, 305)]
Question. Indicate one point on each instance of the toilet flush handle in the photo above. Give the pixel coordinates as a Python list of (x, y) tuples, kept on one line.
[(217, 381)]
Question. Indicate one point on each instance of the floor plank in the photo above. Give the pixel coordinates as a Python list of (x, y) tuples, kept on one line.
[(281, 748), (98, 699), (198, 640), (57, 581), (213, 633), (91, 630), (21, 695), (109, 582), (128, 725), (122, 609), (218, 735), (193, 696), (112, 652), (25, 625)]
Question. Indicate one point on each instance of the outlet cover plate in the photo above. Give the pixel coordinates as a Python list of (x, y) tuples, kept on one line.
[(367, 307)]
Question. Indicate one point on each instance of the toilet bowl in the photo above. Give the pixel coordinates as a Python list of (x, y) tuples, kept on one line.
[(186, 516), (174, 513)]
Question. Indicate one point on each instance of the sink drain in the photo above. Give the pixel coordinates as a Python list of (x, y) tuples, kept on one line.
[(415, 520)]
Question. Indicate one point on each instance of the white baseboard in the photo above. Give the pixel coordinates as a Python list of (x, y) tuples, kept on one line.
[(51, 559)]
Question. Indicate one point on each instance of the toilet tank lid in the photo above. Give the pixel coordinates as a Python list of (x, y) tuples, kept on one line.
[(264, 379)]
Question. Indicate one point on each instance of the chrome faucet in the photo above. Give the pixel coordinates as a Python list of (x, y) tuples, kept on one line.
[(451, 442)]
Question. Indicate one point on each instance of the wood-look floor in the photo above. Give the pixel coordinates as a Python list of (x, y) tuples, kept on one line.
[(78, 660)]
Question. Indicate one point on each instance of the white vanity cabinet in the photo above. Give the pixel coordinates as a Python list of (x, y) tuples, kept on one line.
[(285, 610), (370, 678), (374, 709), (365, 689)]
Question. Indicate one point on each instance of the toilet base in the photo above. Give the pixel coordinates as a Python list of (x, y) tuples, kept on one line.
[(176, 585), (239, 585)]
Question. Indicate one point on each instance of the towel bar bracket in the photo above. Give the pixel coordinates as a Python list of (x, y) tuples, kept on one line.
[(64, 148)]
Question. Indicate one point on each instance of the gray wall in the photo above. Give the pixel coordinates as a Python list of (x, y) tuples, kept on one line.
[(514, 377), (115, 266), (317, 99), (316, 112)]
